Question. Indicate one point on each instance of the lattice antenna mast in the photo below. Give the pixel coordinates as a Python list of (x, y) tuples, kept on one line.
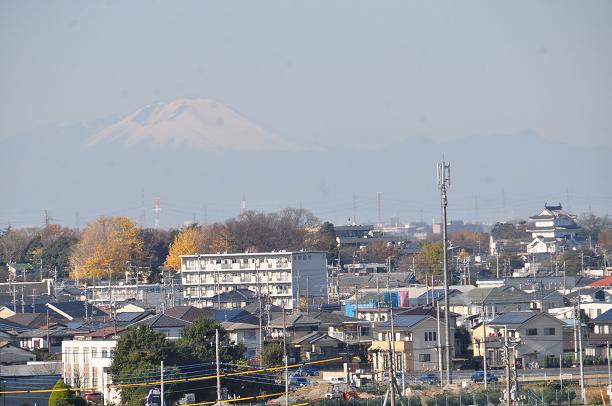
[(443, 185), (157, 209)]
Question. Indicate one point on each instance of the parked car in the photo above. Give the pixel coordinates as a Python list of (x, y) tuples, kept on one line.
[(430, 378), (307, 371), (385, 376), (296, 380), (478, 376)]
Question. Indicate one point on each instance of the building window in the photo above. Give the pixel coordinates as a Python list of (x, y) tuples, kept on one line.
[(532, 331), (549, 331), (424, 357)]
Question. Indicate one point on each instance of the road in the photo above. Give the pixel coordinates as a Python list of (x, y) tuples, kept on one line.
[(597, 371)]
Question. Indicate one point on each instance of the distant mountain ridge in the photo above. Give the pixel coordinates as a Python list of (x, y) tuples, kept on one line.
[(108, 165), (199, 123)]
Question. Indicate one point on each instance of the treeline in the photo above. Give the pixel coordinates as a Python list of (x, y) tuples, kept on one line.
[(113, 246)]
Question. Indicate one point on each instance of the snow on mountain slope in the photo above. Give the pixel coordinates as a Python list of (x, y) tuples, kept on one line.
[(198, 123)]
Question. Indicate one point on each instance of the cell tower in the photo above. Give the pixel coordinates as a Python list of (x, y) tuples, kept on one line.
[(157, 211), (443, 184), (243, 203)]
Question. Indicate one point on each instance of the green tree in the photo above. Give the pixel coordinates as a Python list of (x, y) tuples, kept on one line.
[(61, 395), (431, 256), (272, 355), (57, 254), (139, 351), (197, 345)]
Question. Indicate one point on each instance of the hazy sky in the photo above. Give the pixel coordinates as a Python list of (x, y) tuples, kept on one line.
[(328, 71)]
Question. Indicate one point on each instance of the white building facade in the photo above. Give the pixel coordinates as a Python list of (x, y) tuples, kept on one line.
[(87, 364), (282, 276)]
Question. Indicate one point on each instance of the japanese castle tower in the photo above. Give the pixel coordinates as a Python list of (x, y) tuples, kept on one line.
[(552, 228)]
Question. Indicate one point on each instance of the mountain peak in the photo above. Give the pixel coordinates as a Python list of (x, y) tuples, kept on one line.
[(200, 123)]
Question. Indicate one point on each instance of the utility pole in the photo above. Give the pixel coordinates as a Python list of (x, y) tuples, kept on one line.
[(507, 356), (49, 342), (497, 263), (377, 298), (307, 296), (427, 290), (484, 343), (356, 302), (582, 388), (561, 372), (261, 339), (443, 184), (608, 358), (218, 365), (440, 369), (285, 358), (161, 372), (393, 387)]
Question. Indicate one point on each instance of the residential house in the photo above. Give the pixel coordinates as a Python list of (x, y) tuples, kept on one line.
[(50, 339), (234, 299), (129, 318), (593, 294), (29, 320), (296, 325), (246, 334), (544, 300), (20, 270), (235, 315), (11, 354), (601, 283), (316, 346), (346, 329), (415, 344), (170, 326), (134, 306), (600, 336), (189, 313), (489, 301), (538, 334)]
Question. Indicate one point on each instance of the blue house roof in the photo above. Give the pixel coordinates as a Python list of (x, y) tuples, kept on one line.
[(403, 321), (514, 317), (604, 317)]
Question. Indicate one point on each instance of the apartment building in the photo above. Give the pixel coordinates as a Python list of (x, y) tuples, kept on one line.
[(282, 276)]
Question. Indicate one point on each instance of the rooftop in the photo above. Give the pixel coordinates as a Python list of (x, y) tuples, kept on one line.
[(251, 254), (607, 281), (514, 317)]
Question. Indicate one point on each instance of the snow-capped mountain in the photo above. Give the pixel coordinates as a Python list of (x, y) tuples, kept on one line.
[(197, 123)]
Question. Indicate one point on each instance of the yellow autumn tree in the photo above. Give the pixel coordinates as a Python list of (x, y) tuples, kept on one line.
[(191, 240), (108, 246)]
